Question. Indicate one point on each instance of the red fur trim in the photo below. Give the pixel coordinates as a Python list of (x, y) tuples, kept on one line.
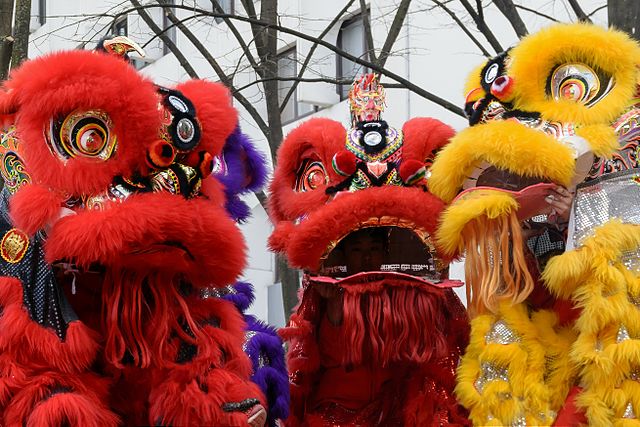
[(33, 345), (13, 378), (51, 398), (344, 214), (424, 136), (280, 236), (55, 85), (199, 401), (214, 110), (132, 234), (33, 207), (386, 320), (319, 139)]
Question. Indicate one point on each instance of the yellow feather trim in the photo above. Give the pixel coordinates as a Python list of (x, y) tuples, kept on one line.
[(472, 205), (602, 139), (607, 349), (507, 145), (473, 84), (536, 56), (531, 355)]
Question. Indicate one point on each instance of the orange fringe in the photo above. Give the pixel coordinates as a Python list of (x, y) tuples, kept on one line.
[(495, 267)]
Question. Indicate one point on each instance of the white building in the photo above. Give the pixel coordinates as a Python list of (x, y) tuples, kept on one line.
[(431, 51)]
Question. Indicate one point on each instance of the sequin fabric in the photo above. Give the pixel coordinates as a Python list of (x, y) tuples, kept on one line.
[(490, 372), (500, 333), (623, 334), (629, 412), (43, 299), (616, 195)]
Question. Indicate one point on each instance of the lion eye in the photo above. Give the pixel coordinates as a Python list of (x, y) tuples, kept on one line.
[(579, 83), (82, 134), (311, 175)]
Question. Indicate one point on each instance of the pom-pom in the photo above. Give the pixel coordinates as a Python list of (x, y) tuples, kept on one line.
[(412, 171), (160, 154), (344, 163), (502, 88)]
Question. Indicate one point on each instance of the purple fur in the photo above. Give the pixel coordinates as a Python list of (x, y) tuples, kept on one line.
[(245, 171), (272, 377), (242, 297)]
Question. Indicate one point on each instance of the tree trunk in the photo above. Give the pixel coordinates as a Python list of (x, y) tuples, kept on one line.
[(21, 32), (625, 15), (268, 50), (6, 41)]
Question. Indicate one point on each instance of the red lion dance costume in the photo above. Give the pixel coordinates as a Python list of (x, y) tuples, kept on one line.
[(111, 238), (378, 332), (553, 334)]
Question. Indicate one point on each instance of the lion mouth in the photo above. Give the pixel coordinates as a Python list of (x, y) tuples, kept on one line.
[(486, 175), (383, 245)]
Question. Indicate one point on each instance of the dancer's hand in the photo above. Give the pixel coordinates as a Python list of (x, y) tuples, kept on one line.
[(559, 200)]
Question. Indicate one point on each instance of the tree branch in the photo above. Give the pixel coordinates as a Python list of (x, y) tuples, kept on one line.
[(191, 72), (463, 27), (303, 67), (236, 33), (535, 12), (394, 31), (368, 35), (510, 12), (312, 80), (578, 11), (214, 64), (407, 84), (482, 26)]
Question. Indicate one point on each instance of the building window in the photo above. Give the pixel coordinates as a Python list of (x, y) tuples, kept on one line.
[(227, 7), (119, 27), (38, 14), (287, 67), (168, 27), (42, 11), (352, 40)]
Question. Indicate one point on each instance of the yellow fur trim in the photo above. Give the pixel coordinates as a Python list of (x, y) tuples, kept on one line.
[(507, 145), (479, 203), (602, 139), (537, 370), (536, 56), (607, 349), (473, 84)]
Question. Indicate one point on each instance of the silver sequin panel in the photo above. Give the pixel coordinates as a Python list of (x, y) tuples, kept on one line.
[(616, 195)]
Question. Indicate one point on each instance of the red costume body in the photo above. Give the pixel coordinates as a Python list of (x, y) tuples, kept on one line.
[(378, 332), (114, 234)]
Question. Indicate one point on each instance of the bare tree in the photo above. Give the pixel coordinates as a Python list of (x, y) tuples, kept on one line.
[(262, 57), (21, 32), (6, 39), (625, 15)]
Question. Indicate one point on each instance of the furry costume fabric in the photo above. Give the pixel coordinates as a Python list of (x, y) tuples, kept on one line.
[(400, 334), (113, 233), (539, 113)]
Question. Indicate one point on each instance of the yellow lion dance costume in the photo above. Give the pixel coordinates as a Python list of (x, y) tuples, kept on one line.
[(552, 337)]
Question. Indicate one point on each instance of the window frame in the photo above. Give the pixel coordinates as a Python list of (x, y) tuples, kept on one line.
[(294, 98), (359, 17)]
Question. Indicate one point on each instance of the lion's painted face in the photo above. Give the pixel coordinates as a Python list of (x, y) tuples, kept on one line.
[(539, 114), (120, 168), (338, 192)]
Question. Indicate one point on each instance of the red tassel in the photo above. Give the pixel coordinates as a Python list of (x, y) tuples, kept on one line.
[(384, 323)]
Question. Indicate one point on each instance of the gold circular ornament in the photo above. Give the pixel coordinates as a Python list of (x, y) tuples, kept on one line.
[(14, 245)]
